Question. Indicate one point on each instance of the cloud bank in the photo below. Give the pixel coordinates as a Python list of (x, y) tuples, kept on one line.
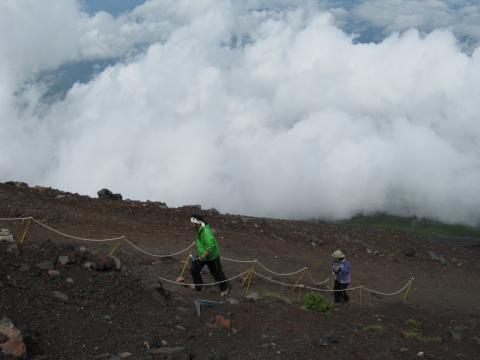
[(245, 108)]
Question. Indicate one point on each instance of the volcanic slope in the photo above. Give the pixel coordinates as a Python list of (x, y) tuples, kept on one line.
[(115, 314)]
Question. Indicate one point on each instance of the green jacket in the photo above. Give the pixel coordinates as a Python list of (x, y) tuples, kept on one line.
[(206, 242)]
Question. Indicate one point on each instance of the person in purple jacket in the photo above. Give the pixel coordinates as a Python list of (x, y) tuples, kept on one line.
[(341, 272)]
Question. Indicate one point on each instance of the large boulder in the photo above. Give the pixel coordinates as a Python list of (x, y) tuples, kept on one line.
[(106, 194)]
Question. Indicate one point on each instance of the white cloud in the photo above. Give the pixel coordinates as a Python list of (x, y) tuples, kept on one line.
[(461, 16), (273, 112)]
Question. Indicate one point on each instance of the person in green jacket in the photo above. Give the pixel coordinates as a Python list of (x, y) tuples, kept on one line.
[(208, 254)]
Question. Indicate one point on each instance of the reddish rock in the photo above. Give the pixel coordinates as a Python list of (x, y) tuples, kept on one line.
[(13, 344)]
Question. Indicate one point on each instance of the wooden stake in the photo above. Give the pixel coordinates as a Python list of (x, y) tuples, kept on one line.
[(408, 290), (24, 235)]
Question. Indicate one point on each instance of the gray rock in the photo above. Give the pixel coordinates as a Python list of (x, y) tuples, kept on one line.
[(106, 194), (89, 265), (254, 296), (124, 355), (53, 272), (46, 265), (60, 296), (437, 258), (106, 356), (63, 259), (170, 353), (233, 301)]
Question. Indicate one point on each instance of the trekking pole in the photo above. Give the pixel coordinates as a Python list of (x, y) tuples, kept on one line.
[(181, 278)]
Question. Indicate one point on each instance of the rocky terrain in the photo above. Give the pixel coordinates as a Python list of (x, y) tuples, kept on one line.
[(63, 298)]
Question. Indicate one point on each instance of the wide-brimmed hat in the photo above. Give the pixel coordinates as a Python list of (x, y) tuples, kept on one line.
[(338, 254)]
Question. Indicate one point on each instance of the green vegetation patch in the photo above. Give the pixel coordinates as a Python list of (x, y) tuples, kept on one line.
[(317, 302), (413, 332), (372, 328), (416, 225)]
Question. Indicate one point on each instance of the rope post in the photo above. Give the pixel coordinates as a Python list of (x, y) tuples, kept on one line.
[(250, 276), (248, 279), (300, 291), (408, 289), (117, 245), (297, 283), (333, 279), (24, 235), (185, 266)]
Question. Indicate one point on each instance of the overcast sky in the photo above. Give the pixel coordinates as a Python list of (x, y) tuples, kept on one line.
[(294, 109)]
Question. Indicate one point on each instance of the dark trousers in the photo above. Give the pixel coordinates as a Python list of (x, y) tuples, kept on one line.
[(341, 296), (215, 268)]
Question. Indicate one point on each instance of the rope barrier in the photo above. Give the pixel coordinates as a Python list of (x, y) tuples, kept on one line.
[(238, 261), (281, 274), (76, 237), (15, 219), (389, 294), (156, 255), (275, 281), (250, 272), (208, 284), (316, 282), (264, 267)]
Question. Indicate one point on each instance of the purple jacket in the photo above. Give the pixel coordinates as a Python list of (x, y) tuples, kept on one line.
[(342, 271)]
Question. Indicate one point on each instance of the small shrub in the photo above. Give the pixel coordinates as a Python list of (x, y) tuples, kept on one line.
[(314, 301), (413, 324), (373, 327)]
